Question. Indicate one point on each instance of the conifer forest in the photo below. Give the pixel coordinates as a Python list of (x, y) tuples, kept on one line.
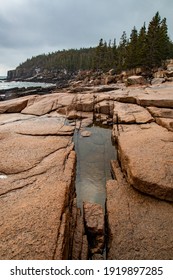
[(147, 47)]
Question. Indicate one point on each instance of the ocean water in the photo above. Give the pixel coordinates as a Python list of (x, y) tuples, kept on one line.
[(13, 84)]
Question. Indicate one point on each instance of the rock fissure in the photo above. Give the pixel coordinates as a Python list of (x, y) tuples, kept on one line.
[(59, 243), (30, 176), (17, 189)]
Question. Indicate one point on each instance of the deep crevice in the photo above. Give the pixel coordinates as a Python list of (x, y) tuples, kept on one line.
[(88, 162)]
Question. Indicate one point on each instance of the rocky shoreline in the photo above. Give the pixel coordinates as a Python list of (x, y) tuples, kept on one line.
[(40, 218), (11, 93)]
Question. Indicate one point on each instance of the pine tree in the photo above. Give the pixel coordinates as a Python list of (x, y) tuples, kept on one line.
[(170, 49), (142, 47), (109, 56), (164, 40), (105, 63), (114, 55), (99, 55), (132, 51), (122, 52), (157, 41)]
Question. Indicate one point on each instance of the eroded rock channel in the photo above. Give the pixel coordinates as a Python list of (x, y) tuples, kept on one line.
[(94, 151), (40, 213)]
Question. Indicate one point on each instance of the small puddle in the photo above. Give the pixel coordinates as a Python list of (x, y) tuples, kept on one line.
[(94, 154)]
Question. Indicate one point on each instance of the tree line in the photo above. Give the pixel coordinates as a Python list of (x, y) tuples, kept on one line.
[(148, 48)]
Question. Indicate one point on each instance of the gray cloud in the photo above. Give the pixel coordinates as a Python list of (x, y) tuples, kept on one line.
[(31, 27)]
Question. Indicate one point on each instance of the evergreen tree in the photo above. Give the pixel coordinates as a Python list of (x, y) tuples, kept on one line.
[(157, 41), (122, 52), (164, 40), (114, 50), (170, 49), (108, 59), (114, 55), (99, 55), (142, 47), (132, 51), (153, 55)]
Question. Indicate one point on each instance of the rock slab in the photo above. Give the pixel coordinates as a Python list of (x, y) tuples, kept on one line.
[(139, 227), (94, 224), (37, 172), (146, 153)]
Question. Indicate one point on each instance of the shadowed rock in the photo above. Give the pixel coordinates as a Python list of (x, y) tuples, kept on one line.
[(15, 105), (139, 226), (161, 112), (168, 123), (136, 80), (94, 224)]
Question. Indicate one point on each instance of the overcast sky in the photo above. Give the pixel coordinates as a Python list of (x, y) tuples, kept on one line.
[(32, 27)]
